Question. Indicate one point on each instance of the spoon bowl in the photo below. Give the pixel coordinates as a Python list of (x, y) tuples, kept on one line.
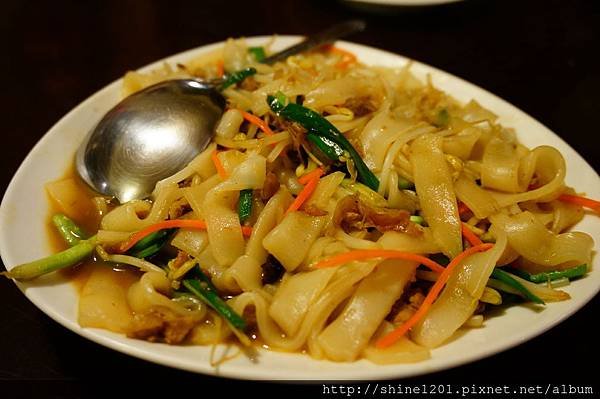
[(155, 132), (149, 136)]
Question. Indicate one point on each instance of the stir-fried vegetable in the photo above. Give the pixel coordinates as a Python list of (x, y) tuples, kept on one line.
[(404, 184), (542, 291), (311, 180), (316, 124), (318, 172), (328, 147), (220, 68), (347, 58), (440, 258), (509, 280), (581, 201), (81, 249), (262, 125), (60, 260), (442, 118), (560, 282), (236, 77), (141, 264), (245, 205), (151, 244), (169, 224), (491, 296), (417, 219), (543, 277), (245, 200), (433, 293), (469, 235), (177, 273), (258, 53), (69, 231), (365, 193), (214, 156), (364, 254), (203, 288)]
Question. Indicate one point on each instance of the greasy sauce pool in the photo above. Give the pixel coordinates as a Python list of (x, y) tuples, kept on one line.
[(88, 218), (85, 216)]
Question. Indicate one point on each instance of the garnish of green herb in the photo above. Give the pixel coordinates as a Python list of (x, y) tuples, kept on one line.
[(404, 184), (203, 288), (69, 257), (317, 125), (417, 219), (442, 118), (507, 279), (236, 77), (151, 244), (245, 205), (68, 229), (258, 53), (543, 277)]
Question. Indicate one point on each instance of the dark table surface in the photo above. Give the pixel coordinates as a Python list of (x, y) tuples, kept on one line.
[(542, 56)]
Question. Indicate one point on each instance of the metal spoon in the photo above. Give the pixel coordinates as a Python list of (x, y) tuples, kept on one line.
[(155, 132)]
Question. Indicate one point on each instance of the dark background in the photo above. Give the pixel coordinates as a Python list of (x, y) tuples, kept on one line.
[(542, 56)]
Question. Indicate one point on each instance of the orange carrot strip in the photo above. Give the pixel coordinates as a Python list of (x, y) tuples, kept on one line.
[(362, 254), (581, 201), (347, 57), (217, 162), (255, 120), (304, 195), (469, 235), (318, 172), (345, 53), (220, 68), (433, 293), (169, 224)]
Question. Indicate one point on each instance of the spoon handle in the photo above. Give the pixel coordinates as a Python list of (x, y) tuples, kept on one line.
[(318, 39)]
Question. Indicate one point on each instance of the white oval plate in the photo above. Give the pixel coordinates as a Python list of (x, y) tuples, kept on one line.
[(24, 211)]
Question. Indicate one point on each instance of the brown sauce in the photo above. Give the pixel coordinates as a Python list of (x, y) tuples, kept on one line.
[(79, 275), (88, 219), (83, 212), (85, 215)]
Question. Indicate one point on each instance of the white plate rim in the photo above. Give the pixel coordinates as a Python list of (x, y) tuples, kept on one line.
[(321, 370)]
